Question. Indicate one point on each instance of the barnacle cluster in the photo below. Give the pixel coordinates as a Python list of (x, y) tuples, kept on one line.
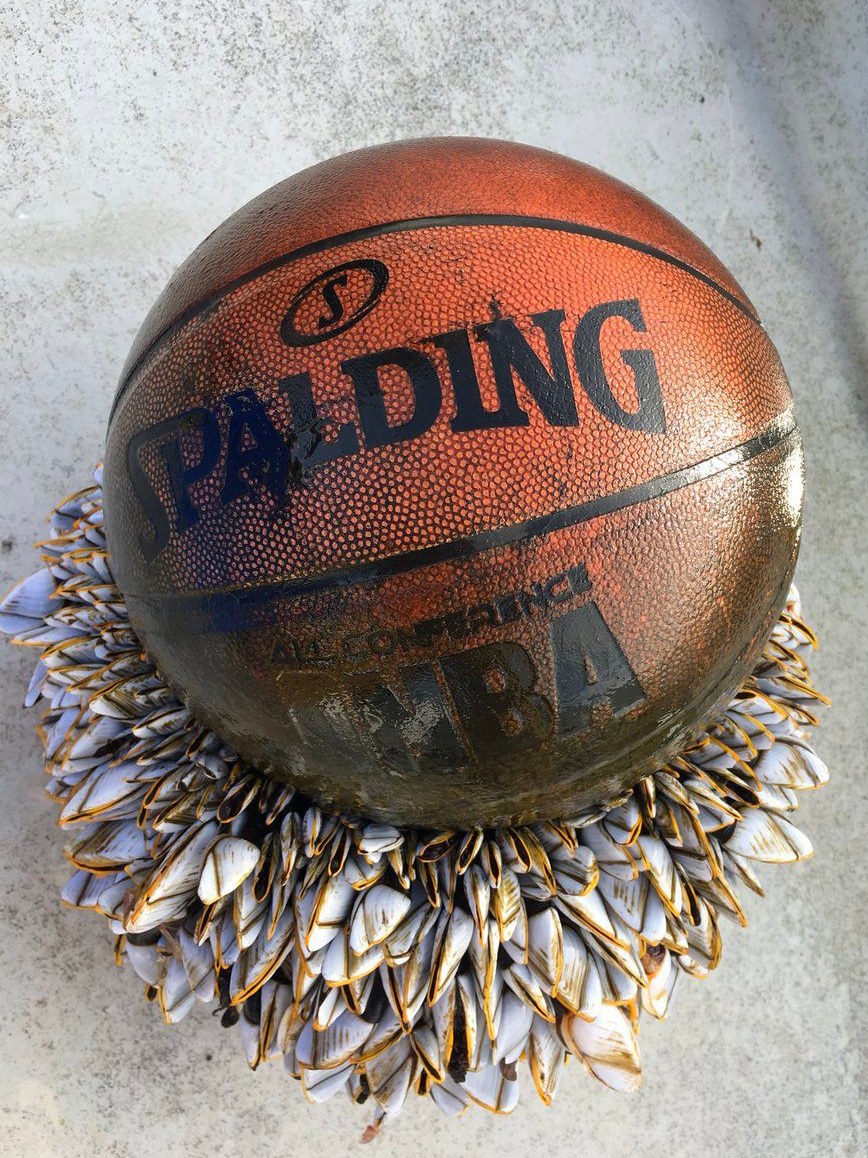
[(381, 960)]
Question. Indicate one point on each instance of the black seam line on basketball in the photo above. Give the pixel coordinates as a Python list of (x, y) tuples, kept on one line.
[(469, 219), (778, 431)]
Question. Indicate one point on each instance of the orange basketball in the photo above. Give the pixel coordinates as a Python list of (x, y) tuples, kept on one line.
[(454, 482)]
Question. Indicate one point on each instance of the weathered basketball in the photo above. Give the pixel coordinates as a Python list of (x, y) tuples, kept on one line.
[(454, 482)]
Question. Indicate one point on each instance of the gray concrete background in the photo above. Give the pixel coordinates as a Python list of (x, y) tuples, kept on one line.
[(130, 132)]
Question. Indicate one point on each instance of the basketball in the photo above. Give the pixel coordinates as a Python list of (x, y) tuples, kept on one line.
[(454, 483)]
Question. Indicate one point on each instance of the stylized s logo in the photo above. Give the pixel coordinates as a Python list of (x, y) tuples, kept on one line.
[(362, 283)]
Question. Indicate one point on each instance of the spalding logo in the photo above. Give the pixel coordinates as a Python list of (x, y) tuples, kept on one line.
[(249, 450), (357, 297)]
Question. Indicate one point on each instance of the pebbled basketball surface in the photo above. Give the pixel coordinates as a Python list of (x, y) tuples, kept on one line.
[(454, 481)]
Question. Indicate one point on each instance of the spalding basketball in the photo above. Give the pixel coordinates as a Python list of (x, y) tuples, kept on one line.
[(453, 482)]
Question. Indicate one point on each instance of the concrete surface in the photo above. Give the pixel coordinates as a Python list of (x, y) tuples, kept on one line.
[(130, 132)]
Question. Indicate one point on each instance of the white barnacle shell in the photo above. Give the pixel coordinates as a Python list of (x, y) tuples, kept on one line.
[(451, 943), (490, 1088), (228, 861), (378, 839), (766, 836), (377, 913), (607, 1046)]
